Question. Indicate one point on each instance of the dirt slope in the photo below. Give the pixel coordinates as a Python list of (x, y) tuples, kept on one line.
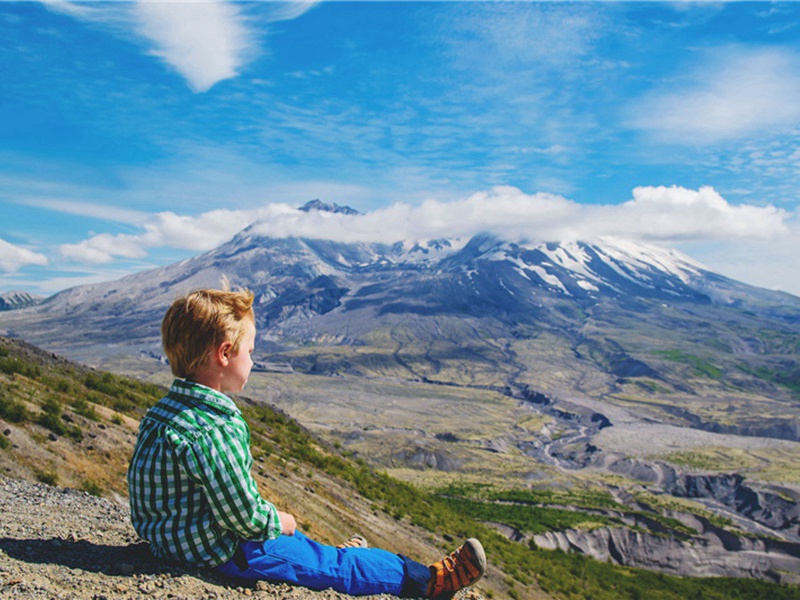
[(60, 543)]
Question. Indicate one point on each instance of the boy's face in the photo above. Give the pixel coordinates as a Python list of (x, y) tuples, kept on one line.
[(239, 364)]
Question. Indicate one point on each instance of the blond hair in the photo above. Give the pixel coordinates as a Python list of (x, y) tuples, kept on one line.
[(199, 322)]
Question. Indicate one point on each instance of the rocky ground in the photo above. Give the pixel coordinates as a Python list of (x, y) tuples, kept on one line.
[(60, 543)]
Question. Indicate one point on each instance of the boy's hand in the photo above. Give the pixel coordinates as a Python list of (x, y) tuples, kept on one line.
[(287, 522)]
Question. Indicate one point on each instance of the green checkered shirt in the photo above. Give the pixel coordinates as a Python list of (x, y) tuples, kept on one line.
[(191, 492)]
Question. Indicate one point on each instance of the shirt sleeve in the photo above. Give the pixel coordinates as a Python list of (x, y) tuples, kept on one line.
[(221, 461)]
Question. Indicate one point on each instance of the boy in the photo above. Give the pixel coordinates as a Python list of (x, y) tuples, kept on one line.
[(193, 497)]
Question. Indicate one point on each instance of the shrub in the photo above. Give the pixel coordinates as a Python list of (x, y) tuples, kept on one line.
[(10, 365), (48, 477), (83, 408), (13, 410), (50, 418), (90, 487)]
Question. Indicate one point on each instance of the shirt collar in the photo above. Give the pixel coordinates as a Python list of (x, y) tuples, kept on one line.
[(201, 393)]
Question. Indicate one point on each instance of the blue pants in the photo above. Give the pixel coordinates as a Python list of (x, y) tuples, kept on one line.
[(299, 560)]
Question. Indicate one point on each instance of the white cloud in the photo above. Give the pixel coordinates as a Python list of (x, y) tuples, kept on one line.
[(770, 263), (673, 214), (733, 94), (205, 42), (13, 258), (655, 214)]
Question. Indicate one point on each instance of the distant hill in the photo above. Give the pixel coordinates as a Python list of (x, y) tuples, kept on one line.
[(15, 299)]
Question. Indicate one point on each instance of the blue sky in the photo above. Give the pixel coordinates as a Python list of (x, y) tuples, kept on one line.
[(135, 134)]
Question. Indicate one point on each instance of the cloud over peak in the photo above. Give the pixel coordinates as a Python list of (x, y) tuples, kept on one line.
[(655, 214)]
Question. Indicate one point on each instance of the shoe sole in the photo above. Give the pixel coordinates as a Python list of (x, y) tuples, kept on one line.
[(479, 554)]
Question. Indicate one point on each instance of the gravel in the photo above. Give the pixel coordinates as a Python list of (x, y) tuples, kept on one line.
[(60, 543)]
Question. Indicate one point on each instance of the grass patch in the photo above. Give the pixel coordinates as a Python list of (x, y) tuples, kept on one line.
[(47, 477), (788, 377), (700, 366), (90, 487), (529, 519), (11, 365), (713, 459), (13, 410)]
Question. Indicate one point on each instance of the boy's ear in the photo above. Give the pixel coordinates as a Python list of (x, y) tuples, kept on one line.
[(223, 353)]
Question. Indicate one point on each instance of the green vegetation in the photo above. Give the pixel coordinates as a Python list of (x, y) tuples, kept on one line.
[(90, 487), (48, 477), (83, 408), (670, 503), (529, 519), (52, 418), (13, 410), (700, 366), (11, 365), (712, 459), (539, 511), (126, 394), (786, 376)]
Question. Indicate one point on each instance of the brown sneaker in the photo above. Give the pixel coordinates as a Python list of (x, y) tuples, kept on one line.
[(354, 541), (462, 568)]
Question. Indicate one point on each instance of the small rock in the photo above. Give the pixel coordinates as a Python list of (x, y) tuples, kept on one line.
[(7, 432), (52, 437), (146, 588), (262, 586)]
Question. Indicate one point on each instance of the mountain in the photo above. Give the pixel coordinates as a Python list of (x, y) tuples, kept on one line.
[(13, 300), (319, 205), (603, 320)]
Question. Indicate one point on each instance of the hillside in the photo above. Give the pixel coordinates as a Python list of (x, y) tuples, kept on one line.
[(70, 425), (64, 543)]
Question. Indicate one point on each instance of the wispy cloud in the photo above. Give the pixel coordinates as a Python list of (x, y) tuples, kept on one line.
[(104, 212), (205, 42), (734, 93), (13, 258), (162, 230), (656, 214)]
